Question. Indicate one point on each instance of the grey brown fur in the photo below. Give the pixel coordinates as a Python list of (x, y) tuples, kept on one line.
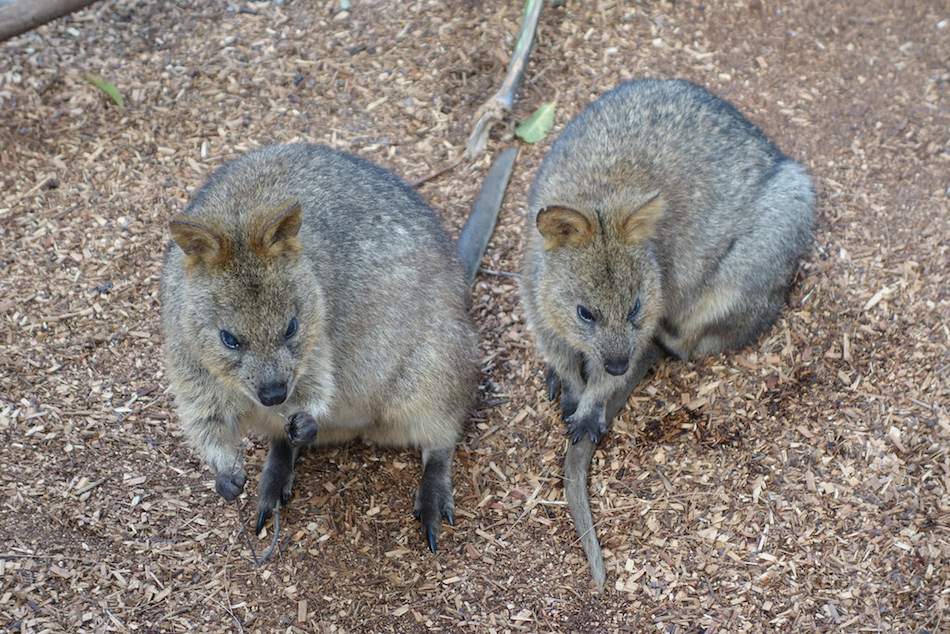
[(312, 297), (661, 221)]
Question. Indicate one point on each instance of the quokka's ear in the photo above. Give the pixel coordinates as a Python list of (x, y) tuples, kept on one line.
[(640, 223), (561, 226), (201, 244), (279, 233)]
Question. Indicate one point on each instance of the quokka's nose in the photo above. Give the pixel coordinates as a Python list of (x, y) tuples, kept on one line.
[(272, 394), (617, 367)]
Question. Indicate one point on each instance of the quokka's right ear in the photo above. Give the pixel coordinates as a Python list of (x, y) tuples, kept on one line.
[(201, 244), (561, 226)]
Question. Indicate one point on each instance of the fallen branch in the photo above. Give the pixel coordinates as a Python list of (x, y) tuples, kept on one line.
[(20, 16), (499, 106)]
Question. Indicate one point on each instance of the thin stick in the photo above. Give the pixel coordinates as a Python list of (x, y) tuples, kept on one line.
[(247, 536), (439, 172), (501, 273)]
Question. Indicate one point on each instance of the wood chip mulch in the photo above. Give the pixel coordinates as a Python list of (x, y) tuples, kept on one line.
[(802, 484)]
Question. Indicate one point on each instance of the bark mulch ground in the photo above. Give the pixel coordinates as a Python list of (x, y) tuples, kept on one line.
[(802, 484)]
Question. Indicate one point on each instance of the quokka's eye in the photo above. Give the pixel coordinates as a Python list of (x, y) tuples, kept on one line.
[(585, 315), (636, 310), (230, 341), (291, 329)]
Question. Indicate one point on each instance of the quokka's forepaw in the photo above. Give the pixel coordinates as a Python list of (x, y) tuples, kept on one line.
[(276, 489), (568, 404), (591, 425), (229, 484), (555, 386), (434, 496), (301, 429)]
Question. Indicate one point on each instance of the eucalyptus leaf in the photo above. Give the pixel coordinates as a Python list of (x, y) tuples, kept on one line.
[(537, 126), (107, 87)]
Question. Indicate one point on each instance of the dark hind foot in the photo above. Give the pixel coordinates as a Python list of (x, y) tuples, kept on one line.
[(434, 498), (555, 386), (277, 480)]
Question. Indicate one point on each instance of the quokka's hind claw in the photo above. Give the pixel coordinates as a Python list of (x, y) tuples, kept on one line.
[(431, 538), (575, 435), (262, 518), (449, 517)]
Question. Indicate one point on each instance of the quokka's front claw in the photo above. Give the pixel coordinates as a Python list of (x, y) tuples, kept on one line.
[(589, 425), (229, 484)]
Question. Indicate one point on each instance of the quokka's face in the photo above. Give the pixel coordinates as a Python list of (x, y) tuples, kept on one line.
[(605, 302), (258, 327)]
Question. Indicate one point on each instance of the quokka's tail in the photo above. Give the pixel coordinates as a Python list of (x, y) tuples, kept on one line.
[(576, 466), (481, 221)]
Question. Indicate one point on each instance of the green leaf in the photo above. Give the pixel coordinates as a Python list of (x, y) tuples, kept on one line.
[(536, 127), (107, 87)]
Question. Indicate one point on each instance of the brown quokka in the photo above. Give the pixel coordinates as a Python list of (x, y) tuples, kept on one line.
[(312, 297), (661, 221)]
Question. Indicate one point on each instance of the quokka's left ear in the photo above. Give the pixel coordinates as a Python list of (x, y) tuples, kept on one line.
[(279, 233), (640, 224)]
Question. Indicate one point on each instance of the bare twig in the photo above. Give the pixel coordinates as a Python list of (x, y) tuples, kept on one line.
[(437, 173), (499, 106), (247, 536)]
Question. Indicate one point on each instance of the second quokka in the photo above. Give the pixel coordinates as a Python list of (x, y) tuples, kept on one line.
[(312, 297), (661, 221)]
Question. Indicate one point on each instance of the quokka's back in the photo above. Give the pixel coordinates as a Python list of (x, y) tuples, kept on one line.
[(711, 166)]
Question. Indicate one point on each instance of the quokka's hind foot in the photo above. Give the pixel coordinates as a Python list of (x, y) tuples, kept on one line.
[(556, 386), (593, 426), (277, 481), (434, 498)]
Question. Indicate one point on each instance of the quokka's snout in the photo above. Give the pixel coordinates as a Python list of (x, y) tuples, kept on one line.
[(272, 393), (617, 366)]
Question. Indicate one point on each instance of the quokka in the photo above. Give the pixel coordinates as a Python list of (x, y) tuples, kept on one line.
[(660, 222), (313, 298)]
